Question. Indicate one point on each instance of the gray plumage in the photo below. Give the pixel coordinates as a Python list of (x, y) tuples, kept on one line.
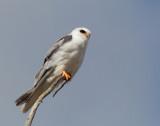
[(65, 55), (31, 95)]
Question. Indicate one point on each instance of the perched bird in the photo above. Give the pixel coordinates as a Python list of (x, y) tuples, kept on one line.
[(64, 58)]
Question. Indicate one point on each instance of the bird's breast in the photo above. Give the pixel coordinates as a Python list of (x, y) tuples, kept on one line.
[(69, 57)]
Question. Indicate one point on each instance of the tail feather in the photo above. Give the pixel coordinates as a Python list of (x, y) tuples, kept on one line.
[(23, 98), (29, 98), (35, 93), (29, 102)]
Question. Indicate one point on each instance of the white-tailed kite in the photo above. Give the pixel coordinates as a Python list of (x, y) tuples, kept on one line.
[(64, 57)]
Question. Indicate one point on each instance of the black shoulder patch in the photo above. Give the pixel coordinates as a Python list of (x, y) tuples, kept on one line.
[(64, 39)]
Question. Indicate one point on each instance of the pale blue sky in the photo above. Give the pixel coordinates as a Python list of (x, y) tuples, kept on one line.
[(118, 83)]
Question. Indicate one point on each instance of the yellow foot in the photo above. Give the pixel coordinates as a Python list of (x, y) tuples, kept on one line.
[(66, 75)]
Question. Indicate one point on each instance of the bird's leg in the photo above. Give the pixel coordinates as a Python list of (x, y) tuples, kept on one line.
[(66, 75)]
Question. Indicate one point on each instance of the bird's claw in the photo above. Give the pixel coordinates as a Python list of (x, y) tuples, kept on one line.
[(66, 75)]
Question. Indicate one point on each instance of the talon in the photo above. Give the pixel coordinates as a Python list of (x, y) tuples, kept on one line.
[(66, 75)]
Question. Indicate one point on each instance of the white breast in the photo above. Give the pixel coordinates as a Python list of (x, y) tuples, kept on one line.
[(70, 56)]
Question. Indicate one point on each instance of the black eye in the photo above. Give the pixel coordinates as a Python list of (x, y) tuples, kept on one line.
[(82, 31)]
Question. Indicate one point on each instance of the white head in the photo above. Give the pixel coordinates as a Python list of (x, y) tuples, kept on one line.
[(81, 32)]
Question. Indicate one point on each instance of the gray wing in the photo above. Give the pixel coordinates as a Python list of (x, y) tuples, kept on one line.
[(31, 95), (56, 46), (50, 53)]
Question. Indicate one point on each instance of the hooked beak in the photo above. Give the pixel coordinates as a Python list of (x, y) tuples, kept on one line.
[(88, 35)]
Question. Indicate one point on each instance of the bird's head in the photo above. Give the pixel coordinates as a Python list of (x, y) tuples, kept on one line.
[(82, 32)]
